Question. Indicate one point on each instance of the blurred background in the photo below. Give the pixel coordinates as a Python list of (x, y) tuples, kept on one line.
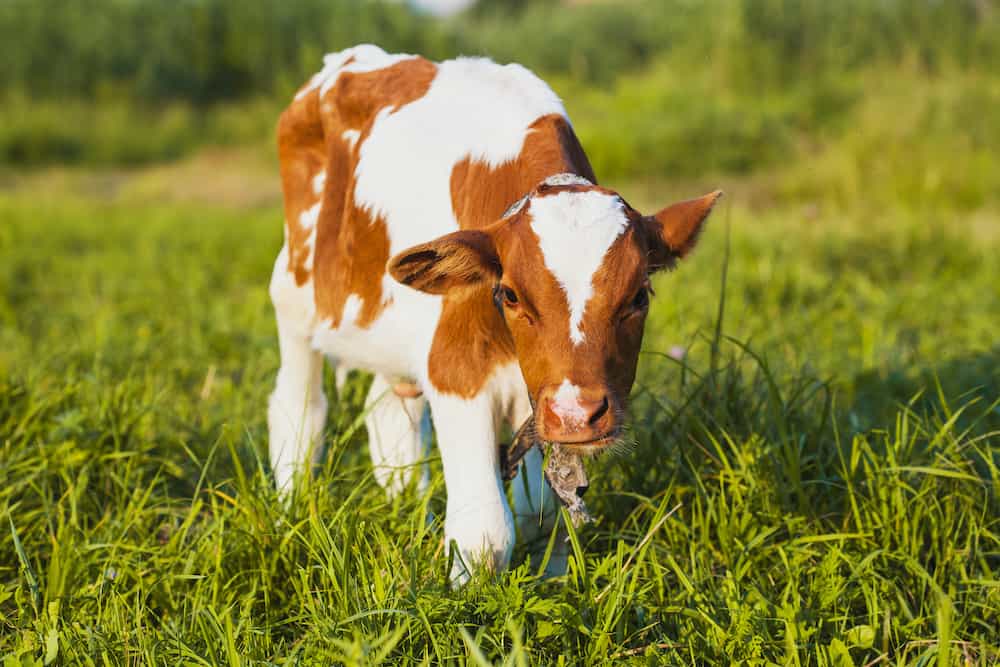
[(861, 99)]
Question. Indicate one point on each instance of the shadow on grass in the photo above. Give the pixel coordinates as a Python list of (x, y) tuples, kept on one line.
[(746, 431)]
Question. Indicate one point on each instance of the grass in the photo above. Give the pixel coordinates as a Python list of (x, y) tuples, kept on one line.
[(816, 482), (816, 472)]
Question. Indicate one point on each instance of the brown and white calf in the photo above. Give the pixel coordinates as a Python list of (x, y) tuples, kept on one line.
[(444, 231)]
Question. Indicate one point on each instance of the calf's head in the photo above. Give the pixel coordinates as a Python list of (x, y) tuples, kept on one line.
[(569, 267)]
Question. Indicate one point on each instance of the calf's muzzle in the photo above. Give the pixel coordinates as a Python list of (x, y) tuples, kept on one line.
[(575, 415)]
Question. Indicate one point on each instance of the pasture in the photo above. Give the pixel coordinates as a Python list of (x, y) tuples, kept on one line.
[(814, 469), (814, 482)]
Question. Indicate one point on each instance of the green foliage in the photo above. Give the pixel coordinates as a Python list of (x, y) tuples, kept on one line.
[(115, 133), (198, 51), (123, 81), (701, 87), (756, 43), (827, 494)]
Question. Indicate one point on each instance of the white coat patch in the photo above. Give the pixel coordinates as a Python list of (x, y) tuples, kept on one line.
[(309, 217), (319, 180), (352, 308), (351, 137), (575, 230), (307, 220), (473, 109)]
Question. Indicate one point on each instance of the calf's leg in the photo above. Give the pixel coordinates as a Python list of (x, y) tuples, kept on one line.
[(297, 408), (394, 436), (477, 517)]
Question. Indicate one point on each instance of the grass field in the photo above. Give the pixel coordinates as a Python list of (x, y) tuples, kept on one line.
[(816, 472), (817, 482)]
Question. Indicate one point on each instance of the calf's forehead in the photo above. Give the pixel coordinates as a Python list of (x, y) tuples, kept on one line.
[(575, 228)]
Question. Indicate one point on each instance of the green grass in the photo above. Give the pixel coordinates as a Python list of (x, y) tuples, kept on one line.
[(818, 482)]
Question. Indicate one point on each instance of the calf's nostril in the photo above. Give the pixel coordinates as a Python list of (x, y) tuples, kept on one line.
[(599, 412)]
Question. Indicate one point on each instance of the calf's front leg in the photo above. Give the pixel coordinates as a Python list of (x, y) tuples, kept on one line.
[(477, 517)]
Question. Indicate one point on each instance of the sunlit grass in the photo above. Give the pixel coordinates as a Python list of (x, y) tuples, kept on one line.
[(816, 482)]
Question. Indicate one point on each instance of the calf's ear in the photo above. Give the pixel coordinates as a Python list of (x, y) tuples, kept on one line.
[(460, 259), (673, 232)]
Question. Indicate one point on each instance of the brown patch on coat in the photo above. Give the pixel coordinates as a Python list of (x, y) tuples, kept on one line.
[(471, 338), (470, 342), (351, 248), (301, 152), (351, 262), (357, 97), (310, 84), (480, 193)]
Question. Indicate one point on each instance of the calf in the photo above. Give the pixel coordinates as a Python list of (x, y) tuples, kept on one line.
[(444, 230)]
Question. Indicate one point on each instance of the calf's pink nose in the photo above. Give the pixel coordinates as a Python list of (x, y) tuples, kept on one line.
[(574, 414)]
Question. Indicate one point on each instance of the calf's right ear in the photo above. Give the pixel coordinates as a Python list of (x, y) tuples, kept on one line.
[(460, 259)]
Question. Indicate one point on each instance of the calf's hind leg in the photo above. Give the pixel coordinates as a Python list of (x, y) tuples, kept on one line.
[(394, 438), (297, 408), (536, 509)]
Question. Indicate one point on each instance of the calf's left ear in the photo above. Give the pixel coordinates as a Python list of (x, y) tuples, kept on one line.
[(673, 232), (460, 259)]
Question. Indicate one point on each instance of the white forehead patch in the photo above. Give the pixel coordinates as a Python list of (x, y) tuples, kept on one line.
[(575, 230)]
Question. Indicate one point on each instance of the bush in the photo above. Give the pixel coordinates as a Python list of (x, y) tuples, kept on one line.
[(198, 51)]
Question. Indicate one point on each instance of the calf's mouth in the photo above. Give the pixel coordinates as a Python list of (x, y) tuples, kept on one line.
[(591, 447), (564, 470)]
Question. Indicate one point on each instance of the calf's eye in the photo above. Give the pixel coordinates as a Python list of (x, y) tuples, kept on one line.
[(509, 296), (641, 299)]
